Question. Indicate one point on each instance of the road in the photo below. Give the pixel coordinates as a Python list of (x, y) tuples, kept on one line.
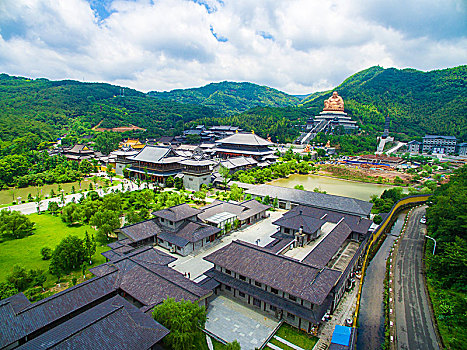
[(414, 324), (371, 316)]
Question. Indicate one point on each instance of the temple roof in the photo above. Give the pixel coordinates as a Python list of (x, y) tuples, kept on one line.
[(245, 139)]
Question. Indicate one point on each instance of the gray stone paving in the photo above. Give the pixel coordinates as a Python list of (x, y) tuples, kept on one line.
[(231, 321)]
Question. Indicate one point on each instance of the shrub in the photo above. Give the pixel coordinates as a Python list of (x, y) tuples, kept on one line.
[(46, 253)]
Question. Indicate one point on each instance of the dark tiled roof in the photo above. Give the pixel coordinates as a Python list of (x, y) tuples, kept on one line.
[(172, 238), (296, 221), (269, 298), (243, 210), (314, 199), (325, 250), (113, 324), (141, 230), (277, 271), (208, 283), (439, 137), (17, 302), (193, 232), (49, 310), (177, 213), (144, 253), (355, 222), (278, 244)]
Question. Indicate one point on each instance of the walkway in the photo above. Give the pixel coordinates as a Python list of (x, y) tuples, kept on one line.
[(414, 323)]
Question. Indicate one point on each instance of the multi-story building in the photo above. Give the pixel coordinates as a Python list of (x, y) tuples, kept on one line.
[(196, 172), (244, 144), (414, 146), (155, 163), (439, 144)]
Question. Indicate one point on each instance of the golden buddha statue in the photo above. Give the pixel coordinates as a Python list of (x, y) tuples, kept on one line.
[(334, 103)]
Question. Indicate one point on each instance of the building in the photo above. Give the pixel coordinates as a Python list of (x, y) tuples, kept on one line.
[(121, 159), (196, 172), (238, 163), (286, 288), (289, 198), (219, 213), (80, 152), (414, 146), (243, 144), (156, 163), (439, 144), (462, 149), (105, 311), (133, 143)]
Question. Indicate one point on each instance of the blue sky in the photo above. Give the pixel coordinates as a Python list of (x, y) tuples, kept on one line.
[(298, 46)]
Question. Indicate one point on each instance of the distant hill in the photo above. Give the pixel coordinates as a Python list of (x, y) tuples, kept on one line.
[(417, 102), (48, 108), (230, 97)]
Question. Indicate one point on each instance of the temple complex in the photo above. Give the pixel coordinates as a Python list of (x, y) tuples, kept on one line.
[(246, 145)]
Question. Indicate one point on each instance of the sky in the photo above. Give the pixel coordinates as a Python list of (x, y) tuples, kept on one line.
[(297, 46)]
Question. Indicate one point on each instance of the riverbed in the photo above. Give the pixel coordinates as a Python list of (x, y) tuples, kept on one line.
[(346, 188)]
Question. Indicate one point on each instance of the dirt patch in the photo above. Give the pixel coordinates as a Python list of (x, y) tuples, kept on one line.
[(363, 174)]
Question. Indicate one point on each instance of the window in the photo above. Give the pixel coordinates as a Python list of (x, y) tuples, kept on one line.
[(243, 278), (228, 288), (228, 272), (241, 294), (290, 316), (171, 222), (170, 244), (257, 284), (286, 230), (272, 308), (291, 297), (190, 179), (274, 290), (162, 220)]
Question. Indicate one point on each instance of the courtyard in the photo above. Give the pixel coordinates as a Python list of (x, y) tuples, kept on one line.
[(231, 321)]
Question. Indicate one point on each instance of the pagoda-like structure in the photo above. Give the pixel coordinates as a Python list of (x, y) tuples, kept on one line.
[(333, 115)]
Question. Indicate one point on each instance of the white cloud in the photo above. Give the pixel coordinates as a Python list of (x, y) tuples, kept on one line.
[(298, 46)]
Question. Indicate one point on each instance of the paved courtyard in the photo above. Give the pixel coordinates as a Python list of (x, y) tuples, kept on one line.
[(196, 266), (231, 321)]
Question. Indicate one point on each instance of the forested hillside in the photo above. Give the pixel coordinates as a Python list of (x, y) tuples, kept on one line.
[(447, 269), (33, 111), (417, 102), (230, 97)]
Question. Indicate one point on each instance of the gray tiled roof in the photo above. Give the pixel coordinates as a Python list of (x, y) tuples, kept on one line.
[(321, 255), (153, 154), (356, 223), (439, 137), (140, 230), (15, 326), (177, 213), (242, 210), (314, 199), (113, 324), (309, 224), (245, 139), (277, 271)]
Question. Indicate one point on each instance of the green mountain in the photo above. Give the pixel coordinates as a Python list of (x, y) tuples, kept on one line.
[(417, 102), (36, 110), (230, 97)]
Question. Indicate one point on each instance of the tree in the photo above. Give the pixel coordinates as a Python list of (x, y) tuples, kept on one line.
[(69, 254), (184, 319), (85, 167), (89, 246), (169, 182), (7, 290), (235, 345), (46, 253), (106, 222), (14, 225), (19, 277), (53, 207), (236, 193), (275, 203), (106, 142), (71, 214), (377, 219), (178, 181), (225, 173)]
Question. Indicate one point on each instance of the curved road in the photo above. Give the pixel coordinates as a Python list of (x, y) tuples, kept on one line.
[(414, 324)]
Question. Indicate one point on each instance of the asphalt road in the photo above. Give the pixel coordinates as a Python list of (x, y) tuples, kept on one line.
[(414, 324), (371, 316)]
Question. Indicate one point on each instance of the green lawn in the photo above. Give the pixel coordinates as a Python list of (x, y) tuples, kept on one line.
[(50, 230), (295, 336), (6, 196)]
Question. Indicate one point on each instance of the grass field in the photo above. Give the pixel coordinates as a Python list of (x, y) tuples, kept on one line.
[(6, 196), (50, 230), (293, 335)]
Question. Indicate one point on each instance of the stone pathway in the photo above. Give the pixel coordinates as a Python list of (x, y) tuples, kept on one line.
[(283, 341)]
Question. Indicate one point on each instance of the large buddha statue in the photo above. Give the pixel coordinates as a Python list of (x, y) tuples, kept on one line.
[(334, 103)]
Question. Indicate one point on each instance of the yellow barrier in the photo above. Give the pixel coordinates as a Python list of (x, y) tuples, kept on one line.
[(375, 236)]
